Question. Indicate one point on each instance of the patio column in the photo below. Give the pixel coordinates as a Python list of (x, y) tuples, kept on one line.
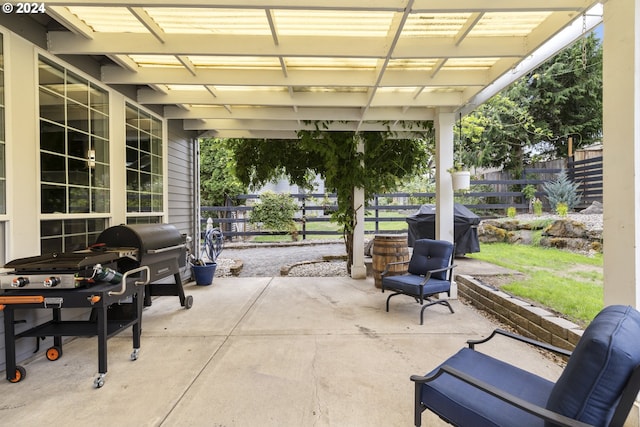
[(358, 269), (444, 190), (621, 152)]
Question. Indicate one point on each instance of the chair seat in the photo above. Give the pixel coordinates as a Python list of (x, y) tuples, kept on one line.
[(410, 284), (464, 405)]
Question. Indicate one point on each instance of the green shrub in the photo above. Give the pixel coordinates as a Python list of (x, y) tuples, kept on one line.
[(511, 212), (275, 212), (562, 190)]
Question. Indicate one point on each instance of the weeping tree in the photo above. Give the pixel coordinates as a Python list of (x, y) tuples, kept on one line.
[(334, 156)]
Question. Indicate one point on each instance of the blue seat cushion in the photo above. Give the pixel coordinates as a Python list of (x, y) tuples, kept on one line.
[(410, 284), (464, 405), (430, 255), (599, 367)]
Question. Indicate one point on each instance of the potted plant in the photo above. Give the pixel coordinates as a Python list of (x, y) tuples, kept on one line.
[(204, 269), (460, 177)]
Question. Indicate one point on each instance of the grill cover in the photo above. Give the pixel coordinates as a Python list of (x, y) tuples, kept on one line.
[(422, 225), (144, 237)]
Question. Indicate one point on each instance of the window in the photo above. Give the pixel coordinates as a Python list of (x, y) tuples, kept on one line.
[(74, 142), (69, 234), (74, 158), (3, 173), (144, 161)]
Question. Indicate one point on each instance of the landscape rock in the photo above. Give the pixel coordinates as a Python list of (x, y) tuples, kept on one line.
[(595, 208), (566, 228)]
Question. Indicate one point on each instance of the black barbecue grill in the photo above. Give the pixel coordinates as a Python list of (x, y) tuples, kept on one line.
[(160, 247)]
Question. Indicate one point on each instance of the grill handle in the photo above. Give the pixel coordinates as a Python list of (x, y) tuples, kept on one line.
[(123, 288), (167, 249)]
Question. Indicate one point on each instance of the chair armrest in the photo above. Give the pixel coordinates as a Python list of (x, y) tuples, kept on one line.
[(386, 268), (538, 411), (438, 270), (540, 344)]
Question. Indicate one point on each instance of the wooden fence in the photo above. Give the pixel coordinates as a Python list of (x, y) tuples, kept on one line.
[(487, 198)]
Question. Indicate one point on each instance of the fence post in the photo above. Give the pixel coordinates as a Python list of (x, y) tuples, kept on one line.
[(375, 201), (209, 223), (304, 217)]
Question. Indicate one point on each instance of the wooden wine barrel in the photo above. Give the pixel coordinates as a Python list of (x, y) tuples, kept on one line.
[(389, 248)]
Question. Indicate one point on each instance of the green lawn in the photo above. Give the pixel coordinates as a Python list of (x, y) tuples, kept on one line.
[(566, 282)]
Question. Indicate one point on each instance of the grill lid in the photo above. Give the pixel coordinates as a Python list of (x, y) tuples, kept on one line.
[(148, 238)]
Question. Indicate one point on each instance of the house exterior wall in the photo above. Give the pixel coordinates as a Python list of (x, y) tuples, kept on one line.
[(20, 226)]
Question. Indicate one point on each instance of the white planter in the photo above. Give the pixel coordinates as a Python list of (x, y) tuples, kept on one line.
[(461, 180)]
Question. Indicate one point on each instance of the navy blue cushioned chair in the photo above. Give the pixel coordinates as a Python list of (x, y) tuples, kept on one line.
[(597, 387), (430, 273)]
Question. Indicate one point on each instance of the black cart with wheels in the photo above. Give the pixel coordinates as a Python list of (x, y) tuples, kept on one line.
[(99, 298)]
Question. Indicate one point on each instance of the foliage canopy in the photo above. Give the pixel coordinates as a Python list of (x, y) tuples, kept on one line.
[(335, 157)]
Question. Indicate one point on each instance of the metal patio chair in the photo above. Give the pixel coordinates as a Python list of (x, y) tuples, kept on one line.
[(429, 274)]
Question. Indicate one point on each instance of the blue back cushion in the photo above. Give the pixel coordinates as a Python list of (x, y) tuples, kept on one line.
[(430, 255), (599, 368)]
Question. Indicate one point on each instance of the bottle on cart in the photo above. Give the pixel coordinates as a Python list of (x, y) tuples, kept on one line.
[(105, 274)]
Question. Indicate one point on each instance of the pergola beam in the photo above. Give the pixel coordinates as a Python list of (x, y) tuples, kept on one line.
[(66, 43)]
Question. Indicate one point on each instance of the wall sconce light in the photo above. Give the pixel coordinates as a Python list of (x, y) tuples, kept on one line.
[(91, 159)]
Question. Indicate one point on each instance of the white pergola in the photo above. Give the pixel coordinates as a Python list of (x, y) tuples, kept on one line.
[(264, 68)]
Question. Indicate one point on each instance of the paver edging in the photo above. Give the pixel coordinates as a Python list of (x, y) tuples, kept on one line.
[(526, 318)]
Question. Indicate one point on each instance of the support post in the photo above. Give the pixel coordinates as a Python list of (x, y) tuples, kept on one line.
[(358, 269), (621, 152), (444, 189)]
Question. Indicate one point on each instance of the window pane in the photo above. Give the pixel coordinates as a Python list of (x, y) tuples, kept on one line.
[(132, 137), (145, 162), (156, 146), (51, 137), (54, 199), (51, 76), (156, 165), (99, 124), (49, 246), (78, 116), (51, 106), (78, 144), (145, 182), (99, 99), (74, 226), (132, 158), (145, 142), (51, 228), (2, 162), (78, 200), (100, 200), (101, 148), (78, 172), (95, 225), (132, 116), (3, 196), (77, 88), (133, 202), (145, 202), (75, 243), (52, 168), (157, 203), (133, 182)]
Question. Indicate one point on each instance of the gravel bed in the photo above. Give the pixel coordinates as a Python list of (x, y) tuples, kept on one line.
[(320, 269), (591, 221)]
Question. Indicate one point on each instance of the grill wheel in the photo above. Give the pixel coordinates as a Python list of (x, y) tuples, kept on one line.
[(54, 353)]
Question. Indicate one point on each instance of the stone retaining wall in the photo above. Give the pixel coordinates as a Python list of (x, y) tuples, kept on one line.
[(524, 318)]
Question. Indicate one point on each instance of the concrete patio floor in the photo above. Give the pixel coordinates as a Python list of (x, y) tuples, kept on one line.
[(281, 351)]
